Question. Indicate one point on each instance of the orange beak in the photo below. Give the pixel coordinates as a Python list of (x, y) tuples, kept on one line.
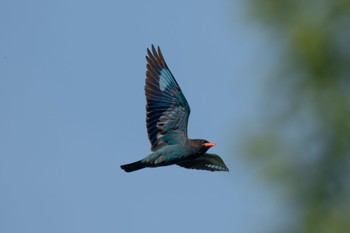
[(209, 144)]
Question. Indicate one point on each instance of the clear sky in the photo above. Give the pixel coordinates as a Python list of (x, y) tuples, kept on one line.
[(72, 110)]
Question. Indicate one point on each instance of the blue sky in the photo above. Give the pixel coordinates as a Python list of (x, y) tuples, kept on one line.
[(73, 110)]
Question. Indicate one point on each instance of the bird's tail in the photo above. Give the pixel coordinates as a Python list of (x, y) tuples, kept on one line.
[(133, 166)]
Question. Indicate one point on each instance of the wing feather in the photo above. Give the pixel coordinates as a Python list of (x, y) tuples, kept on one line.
[(209, 162), (167, 108)]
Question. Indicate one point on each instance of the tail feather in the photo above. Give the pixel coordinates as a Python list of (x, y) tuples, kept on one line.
[(133, 166)]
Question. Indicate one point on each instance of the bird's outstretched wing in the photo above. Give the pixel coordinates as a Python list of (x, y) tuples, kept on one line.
[(210, 162), (167, 108)]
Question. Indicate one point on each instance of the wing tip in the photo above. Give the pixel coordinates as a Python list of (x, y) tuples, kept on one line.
[(155, 57)]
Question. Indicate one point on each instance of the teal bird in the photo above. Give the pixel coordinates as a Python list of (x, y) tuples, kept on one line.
[(167, 117)]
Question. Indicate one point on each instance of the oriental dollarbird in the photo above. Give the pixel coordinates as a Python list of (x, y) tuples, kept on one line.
[(167, 117)]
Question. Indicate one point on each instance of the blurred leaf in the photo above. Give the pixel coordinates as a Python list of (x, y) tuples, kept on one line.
[(306, 147)]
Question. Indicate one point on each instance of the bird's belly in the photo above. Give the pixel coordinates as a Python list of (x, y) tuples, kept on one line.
[(167, 155)]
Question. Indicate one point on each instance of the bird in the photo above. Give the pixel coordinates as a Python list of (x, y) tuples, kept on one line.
[(167, 114)]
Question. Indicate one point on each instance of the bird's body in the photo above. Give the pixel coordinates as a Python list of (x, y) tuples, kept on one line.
[(167, 155), (167, 119)]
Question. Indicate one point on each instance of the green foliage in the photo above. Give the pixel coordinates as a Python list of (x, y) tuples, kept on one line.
[(307, 147)]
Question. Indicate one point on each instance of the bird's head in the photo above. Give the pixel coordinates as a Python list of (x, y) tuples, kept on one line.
[(200, 146)]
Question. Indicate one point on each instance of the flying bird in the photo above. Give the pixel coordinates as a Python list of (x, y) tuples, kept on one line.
[(167, 118)]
